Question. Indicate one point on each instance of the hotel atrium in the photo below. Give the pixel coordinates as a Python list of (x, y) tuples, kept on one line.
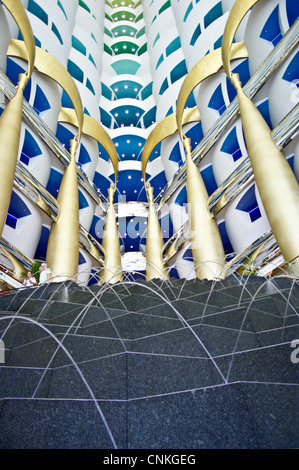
[(131, 83), (149, 155)]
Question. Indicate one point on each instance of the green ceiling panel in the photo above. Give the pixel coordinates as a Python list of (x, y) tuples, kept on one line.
[(126, 66), (127, 30), (125, 47), (123, 15)]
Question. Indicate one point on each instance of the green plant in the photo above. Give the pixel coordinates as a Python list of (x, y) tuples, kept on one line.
[(35, 270), (249, 267)]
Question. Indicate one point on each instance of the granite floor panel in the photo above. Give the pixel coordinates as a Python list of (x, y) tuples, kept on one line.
[(18, 382), (181, 342), (104, 329), (44, 424), (274, 414), (214, 418), (135, 325)]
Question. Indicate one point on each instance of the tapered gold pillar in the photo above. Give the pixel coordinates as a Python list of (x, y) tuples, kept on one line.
[(274, 178), (206, 243), (112, 271), (11, 118), (277, 184), (155, 266), (10, 127), (63, 245), (19, 271)]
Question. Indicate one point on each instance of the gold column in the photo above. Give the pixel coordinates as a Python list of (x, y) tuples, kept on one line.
[(63, 245), (274, 178), (10, 127), (207, 66), (11, 118), (206, 243), (155, 266), (163, 129), (48, 65), (16, 9), (112, 271), (19, 271), (93, 129)]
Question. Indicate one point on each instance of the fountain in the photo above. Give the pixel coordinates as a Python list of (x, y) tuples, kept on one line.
[(165, 363)]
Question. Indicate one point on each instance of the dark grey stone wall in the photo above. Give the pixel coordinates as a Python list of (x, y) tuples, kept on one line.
[(158, 365)]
